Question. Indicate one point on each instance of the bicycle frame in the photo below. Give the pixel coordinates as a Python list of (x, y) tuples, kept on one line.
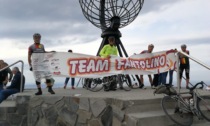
[(189, 107)]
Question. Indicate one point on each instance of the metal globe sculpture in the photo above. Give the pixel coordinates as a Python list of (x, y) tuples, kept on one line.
[(101, 12), (110, 15)]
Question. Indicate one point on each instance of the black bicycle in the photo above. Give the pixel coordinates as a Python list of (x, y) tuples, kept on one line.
[(181, 109), (97, 84)]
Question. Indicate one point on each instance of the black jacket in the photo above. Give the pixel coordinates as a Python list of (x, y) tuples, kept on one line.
[(16, 81), (3, 75)]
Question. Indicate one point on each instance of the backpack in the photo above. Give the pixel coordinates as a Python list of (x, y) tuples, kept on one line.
[(165, 89)]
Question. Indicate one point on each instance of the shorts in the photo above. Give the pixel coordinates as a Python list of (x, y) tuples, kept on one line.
[(187, 71), (39, 75)]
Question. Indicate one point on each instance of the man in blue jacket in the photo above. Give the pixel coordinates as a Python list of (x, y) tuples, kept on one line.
[(15, 85)]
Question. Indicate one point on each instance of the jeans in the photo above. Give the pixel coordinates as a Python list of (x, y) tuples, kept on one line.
[(162, 78), (4, 94), (171, 76), (1, 86), (72, 81)]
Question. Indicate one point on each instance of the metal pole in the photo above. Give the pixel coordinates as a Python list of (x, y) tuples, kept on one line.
[(196, 60), (21, 81), (178, 73)]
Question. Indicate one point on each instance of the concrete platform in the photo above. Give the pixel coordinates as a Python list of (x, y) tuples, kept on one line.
[(143, 107)]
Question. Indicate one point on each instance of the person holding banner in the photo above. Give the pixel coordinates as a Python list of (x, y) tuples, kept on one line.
[(106, 52), (184, 65), (67, 79), (150, 49), (37, 47)]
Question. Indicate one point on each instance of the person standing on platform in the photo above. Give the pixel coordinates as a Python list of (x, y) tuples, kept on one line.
[(184, 65), (67, 79), (150, 49), (106, 52), (37, 47)]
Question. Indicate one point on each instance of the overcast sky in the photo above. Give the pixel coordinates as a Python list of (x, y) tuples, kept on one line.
[(165, 23)]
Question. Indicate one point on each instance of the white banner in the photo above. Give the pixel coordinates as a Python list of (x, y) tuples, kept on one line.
[(65, 64)]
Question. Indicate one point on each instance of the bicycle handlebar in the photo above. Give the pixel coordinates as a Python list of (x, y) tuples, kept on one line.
[(199, 83)]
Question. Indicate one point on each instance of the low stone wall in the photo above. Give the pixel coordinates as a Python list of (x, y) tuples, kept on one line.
[(75, 111), (15, 115)]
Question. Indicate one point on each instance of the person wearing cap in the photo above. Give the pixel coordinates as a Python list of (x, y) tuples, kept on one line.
[(106, 52), (37, 47), (184, 65), (150, 49), (67, 79)]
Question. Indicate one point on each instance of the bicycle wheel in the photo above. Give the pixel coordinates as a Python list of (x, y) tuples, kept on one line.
[(129, 81), (178, 114), (85, 82), (95, 84), (203, 104), (126, 82)]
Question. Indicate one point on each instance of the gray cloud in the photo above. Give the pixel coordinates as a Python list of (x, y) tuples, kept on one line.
[(157, 5), (19, 19), (192, 42)]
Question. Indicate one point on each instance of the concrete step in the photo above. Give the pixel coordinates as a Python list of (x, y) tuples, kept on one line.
[(143, 108), (6, 107), (144, 105), (156, 118)]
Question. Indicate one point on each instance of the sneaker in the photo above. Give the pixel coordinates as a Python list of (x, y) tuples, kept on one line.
[(38, 93), (153, 87), (72, 88)]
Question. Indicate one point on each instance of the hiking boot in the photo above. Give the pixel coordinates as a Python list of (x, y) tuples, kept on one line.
[(38, 93), (51, 91)]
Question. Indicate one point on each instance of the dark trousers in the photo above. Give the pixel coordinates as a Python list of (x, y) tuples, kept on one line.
[(4, 94), (156, 80)]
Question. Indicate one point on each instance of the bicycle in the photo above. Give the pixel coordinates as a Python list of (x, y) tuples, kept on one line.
[(182, 109), (97, 84)]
